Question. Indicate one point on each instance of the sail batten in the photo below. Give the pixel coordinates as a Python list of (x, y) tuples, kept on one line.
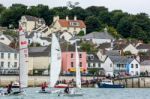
[(23, 60), (55, 66)]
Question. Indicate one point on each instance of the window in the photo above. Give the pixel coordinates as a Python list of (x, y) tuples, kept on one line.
[(15, 56), (136, 65), (89, 65), (71, 55), (15, 64), (2, 55), (8, 64), (74, 23), (71, 64), (2, 38), (93, 64), (2, 64), (137, 73), (110, 65), (99, 65), (80, 64), (131, 65), (80, 55), (8, 55)]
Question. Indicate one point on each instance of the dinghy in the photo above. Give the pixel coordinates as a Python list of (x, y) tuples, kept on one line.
[(55, 65)]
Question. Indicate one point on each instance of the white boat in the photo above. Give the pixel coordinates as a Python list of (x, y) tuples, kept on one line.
[(73, 92), (55, 64)]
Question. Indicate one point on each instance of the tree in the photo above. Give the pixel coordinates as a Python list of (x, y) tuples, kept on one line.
[(88, 47), (81, 33), (2, 8), (93, 24)]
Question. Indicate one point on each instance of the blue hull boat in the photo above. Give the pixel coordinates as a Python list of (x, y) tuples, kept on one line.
[(109, 86)]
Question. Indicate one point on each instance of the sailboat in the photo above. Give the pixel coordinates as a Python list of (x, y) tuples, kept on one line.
[(55, 64), (73, 91), (23, 64)]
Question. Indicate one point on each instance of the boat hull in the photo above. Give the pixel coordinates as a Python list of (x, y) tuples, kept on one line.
[(110, 86)]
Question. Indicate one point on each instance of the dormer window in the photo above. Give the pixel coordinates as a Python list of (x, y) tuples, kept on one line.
[(74, 23)]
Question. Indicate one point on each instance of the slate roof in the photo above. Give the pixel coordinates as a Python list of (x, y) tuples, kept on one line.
[(120, 59), (98, 35), (112, 53), (146, 62), (143, 46), (32, 18), (95, 59), (120, 46), (104, 45), (6, 48)]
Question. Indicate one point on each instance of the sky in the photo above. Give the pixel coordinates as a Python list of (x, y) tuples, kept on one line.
[(130, 6)]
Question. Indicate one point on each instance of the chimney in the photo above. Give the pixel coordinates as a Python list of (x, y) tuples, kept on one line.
[(67, 18), (55, 18), (75, 18), (105, 30)]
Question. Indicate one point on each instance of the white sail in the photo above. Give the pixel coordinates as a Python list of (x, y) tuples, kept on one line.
[(78, 74), (23, 59), (55, 67)]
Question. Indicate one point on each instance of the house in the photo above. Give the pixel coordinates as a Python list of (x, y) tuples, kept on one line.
[(121, 65), (74, 39), (68, 59), (9, 59), (66, 36), (37, 37), (31, 23), (98, 37), (66, 25), (6, 39), (122, 48), (93, 62), (145, 66), (39, 59), (143, 47)]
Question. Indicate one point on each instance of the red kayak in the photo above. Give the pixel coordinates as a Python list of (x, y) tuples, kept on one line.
[(62, 86)]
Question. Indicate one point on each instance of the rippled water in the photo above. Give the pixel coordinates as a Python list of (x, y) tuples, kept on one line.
[(89, 93)]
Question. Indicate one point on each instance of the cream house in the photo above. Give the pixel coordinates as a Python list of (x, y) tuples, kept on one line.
[(31, 23), (6, 39), (9, 58), (72, 26), (145, 66), (39, 59)]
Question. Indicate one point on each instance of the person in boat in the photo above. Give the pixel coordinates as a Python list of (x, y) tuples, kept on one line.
[(67, 90), (43, 86), (9, 88)]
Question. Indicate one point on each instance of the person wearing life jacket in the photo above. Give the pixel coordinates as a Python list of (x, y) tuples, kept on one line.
[(43, 86), (67, 90), (9, 88)]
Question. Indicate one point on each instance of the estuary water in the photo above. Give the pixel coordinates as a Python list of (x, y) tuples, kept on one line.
[(89, 93)]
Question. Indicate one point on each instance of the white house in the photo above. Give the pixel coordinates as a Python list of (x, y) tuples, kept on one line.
[(6, 39), (98, 37), (126, 47), (121, 65), (72, 26), (145, 66), (66, 36), (37, 37), (143, 47), (31, 23), (9, 58)]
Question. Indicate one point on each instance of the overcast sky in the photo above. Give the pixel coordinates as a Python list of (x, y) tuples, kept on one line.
[(130, 6)]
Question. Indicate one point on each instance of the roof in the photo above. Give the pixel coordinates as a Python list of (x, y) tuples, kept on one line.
[(112, 53), (46, 38), (104, 45), (146, 62), (6, 48), (98, 35), (95, 58), (32, 18), (66, 23), (39, 51), (143, 46), (120, 59), (119, 46)]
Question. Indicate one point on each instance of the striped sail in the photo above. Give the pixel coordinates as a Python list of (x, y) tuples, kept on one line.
[(55, 67), (23, 59), (78, 75)]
